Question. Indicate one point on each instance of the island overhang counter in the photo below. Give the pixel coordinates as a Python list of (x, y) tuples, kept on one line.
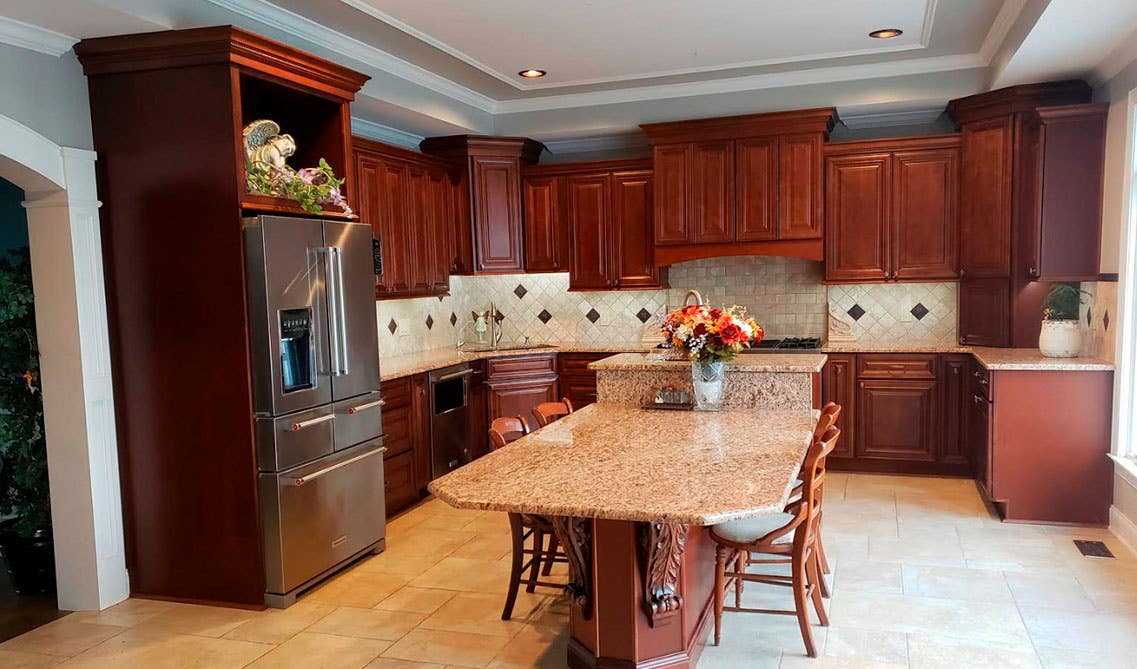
[(630, 492)]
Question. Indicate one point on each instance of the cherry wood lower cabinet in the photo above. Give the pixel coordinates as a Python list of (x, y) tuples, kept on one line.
[(578, 382), (515, 385), (1041, 443), (406, 435), (901, 412)]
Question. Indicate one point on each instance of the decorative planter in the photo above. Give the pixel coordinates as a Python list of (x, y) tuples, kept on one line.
[(707, 380), (30, 562), (1060, 338)]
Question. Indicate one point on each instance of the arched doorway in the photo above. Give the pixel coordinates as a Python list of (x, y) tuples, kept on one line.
[(67, 272)]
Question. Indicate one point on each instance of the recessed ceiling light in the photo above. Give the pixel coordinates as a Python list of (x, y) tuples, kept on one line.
[(532, 74), (886, 33)]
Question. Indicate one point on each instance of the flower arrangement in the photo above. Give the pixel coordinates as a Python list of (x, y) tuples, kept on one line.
[(711, 335), (311, 187)]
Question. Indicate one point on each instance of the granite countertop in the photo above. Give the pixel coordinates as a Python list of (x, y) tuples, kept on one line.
[(1030, 359), (896, 348), (396, 366), (625, 463), (749, 362)]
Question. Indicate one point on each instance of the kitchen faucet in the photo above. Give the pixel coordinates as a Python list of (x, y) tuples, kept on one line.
[(695, 294), (495, 327)]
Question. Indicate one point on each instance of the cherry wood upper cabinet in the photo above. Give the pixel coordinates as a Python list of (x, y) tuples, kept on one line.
[(857, 200), (546, 241), (421, 232), (711, 205), (985, 312), (987, 182), (493, 177), (392, 226), (925, 203), (799, 186), (671, 197), (631, 247), (443, 223), (891, 209), (588, 213), (756, 194)]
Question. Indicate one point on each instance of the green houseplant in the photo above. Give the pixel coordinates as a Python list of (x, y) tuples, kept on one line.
[(1060, 336), (25, 537)]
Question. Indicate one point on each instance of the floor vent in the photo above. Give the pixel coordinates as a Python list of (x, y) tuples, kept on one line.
[(1093, 549)]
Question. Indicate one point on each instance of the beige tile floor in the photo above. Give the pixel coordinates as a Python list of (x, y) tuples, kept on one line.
[(923, 577)]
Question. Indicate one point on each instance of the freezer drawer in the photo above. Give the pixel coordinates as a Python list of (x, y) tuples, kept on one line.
[(318, 515), (357, 420), (292, 440)]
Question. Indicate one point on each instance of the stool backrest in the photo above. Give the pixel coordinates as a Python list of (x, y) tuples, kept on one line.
[(547, 412), (506, 429), (813, 472)]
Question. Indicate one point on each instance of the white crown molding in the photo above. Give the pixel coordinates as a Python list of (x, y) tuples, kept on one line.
[(384, 133), (1006, 17), (861, 120), (819, 75), (596, 143), (307, 29), (28, 36), (530, 85)]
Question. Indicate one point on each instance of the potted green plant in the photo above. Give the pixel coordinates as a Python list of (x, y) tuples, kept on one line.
[(25, 507), (1061, 335)]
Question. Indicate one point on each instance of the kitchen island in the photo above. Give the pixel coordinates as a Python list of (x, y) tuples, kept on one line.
[(630, 492)]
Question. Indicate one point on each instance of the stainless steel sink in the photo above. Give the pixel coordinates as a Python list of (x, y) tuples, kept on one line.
[(505, 347)]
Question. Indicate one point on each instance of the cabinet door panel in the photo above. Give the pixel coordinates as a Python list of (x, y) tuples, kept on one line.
[(955, 400), (517, 398), (896, 420), (984, 312), (670, 163), (367, 173), (497, 214), (979, 440), (838, 385), (711, 192), (441, 199), (420, 239), (985, 195), (588, 198), (756, 164), (394, 232), (800, 193), (420, 417), (632, 249), (924, 201), (857, 209), (399, 489), (545, 236)]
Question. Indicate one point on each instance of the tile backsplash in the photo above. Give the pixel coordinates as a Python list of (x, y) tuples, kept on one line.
[(1098, 317), (785, 295)]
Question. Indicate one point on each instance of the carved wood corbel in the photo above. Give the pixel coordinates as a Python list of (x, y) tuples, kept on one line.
[(661, 554), (575, 535)]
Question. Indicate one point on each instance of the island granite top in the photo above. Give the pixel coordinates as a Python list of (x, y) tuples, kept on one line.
[(747, 362), (624, 463)]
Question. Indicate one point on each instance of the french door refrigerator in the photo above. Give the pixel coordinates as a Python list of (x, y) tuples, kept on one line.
[(316, 405)]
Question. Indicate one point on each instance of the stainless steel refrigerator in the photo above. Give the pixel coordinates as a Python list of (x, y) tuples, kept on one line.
[(316, 405)]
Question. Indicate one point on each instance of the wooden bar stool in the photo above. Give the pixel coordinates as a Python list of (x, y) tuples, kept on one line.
[(525, 527), (547, 412), (792, 535), (829, 415)]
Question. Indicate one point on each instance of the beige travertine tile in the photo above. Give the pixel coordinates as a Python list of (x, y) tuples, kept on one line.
[(392, 663), (480, 613), (535, 646), (933, 651), (458, 648), (856, 575), (157, 649), (1070, 659), (494, 545), (401, 560), (467, 575), (367, 623), (308, 650), (1049, 591), (989, 622), (827, 662), (924, 548), (867, 645), (124, 614), (1080, 631), (415, 600), (62, 637), (973, 585), (13, 659), (212, 621), (358, 588), (278, 626)]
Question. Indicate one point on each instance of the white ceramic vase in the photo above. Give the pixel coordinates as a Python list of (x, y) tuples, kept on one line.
[(1060, 339)]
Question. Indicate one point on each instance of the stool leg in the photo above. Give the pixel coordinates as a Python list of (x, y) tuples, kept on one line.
[(801, 603), (552, 553), (740, 560), (516, 533), (816, 578), (721, 555), (535, 563)]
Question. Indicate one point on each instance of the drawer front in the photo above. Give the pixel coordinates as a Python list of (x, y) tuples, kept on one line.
[(522, 366), (357, 420), (891, 366), (399, 489), (577, 363), (294, 439), (396, 392), (398, 428), (581, 392)]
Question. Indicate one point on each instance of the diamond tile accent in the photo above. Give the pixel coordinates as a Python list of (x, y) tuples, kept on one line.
[(643, 315), (1089, 316), (392, 326), (429, 321), (453, 319), (520, 291), (592, 315), (919, 311), (545, 316), (1105, 320), (855, 312)]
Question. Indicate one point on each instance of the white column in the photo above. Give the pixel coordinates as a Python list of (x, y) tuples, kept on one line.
[(71, 322)]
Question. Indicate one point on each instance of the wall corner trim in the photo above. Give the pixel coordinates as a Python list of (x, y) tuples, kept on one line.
[(28, 36)]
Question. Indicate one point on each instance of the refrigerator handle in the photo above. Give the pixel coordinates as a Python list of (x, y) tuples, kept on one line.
[(341, 315), (333, 315)]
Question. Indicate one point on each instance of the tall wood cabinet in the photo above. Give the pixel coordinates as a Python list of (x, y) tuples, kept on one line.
[(174, 194), (489, 237), (1030, 193), (892, 209)]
